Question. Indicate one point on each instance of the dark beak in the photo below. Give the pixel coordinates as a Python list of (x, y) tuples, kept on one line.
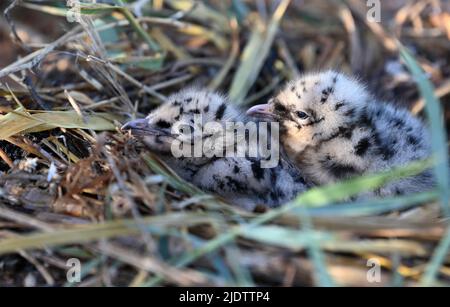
[(142, 127), (137, 124), (261, 110)]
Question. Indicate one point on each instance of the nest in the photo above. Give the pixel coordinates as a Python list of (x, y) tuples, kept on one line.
[(72, 185)]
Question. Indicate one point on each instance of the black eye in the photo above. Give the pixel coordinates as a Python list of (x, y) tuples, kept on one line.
[(302, 115)]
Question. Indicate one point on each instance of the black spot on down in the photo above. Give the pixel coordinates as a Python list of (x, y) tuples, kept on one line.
[(258, 172), (221, 111), (362, 146), (163, 124), (341, 170)]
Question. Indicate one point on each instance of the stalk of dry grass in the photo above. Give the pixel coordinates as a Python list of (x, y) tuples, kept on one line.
[(95, 194)]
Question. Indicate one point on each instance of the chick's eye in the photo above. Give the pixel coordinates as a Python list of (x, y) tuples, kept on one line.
[(302, 115)]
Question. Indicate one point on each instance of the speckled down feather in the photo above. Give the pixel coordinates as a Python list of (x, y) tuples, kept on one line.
[(240, 180), (333, 129)]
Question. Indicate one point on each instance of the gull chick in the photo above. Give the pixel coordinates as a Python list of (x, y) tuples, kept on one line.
[(333, 129), (239, 179)]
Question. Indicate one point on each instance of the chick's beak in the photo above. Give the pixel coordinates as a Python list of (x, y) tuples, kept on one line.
[(142, 127), (261, 110), (137, 124)]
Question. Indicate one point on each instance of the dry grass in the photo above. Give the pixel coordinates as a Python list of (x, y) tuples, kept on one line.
[(73, 185)]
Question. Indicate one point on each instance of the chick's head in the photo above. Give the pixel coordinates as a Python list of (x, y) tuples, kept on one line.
[(183, 117), (314, 107)]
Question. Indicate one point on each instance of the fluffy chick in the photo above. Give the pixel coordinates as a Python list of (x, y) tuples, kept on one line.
[(240, 180), (333, 129)]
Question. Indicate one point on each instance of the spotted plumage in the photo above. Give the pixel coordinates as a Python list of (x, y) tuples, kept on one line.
[(239, 179), (337, 130)]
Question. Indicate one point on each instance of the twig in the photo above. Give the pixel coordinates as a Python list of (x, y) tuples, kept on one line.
[(24, 219), (41, 269), (440, 92), (234, 52), (11, 24), (34, 95), (287, 57), (184, 277), (150, 244), (356, 56), (387, 40), (5, 158), (32, 59)]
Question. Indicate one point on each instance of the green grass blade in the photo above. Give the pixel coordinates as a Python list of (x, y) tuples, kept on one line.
[(313, 198), (438, 140), (374, 206), (297, 240), (321, 274), (172, 179), (438, 135), (439, 256), (255, 53), (137, 27), (200, 11), (293, 239), (94, 232)]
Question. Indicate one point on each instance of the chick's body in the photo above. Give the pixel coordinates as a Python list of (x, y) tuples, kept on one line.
[(239, 179), (333, 129)]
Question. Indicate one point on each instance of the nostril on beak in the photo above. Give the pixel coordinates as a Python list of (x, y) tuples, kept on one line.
[(137, 124)]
